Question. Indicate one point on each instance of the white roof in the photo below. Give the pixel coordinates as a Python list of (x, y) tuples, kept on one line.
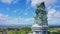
[(35, 25)]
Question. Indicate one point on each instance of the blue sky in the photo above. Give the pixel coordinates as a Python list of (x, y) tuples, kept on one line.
[(23, 11)]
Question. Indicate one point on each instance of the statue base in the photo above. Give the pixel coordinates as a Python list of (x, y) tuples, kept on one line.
[(39, 29)]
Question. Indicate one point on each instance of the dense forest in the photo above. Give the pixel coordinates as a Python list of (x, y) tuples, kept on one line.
[(28, 30)]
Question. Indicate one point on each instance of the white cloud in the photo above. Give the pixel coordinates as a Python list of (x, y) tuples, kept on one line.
[(14, 11), (53, 17), (25, 13), (47, 2), (9, 1), (28, 1), (5, 19), (35, 2), (26, 20), (8, 9), (5, 16), (6, 1), (17, 10), (16, 1)]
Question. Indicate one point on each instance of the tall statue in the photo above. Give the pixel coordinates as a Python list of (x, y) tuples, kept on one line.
[(40, 25), (41, 15)]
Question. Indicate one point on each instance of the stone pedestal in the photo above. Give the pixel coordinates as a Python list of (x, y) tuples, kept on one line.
[(40, 29)]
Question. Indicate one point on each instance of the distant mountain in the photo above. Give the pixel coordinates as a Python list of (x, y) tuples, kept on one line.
[(19, 25)]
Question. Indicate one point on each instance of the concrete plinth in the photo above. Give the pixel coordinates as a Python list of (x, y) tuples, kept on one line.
[(40, 29)]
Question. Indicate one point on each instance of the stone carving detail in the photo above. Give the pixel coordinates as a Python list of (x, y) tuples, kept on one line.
[(41, 15)]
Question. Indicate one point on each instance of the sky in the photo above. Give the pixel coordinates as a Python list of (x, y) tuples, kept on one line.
[(22, 12)]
